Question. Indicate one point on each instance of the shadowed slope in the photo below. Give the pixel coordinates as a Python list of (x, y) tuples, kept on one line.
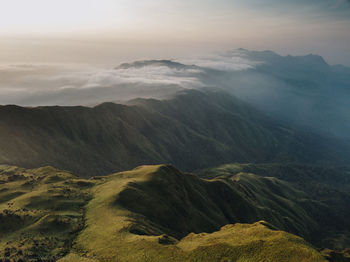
[(183, 203), (192, 131), (330, 187)]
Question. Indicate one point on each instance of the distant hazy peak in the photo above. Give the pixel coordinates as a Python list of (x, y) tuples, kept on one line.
[(268, 56), (308, 59), (260, 55), (341, 68), (240, 55), (144, 63)]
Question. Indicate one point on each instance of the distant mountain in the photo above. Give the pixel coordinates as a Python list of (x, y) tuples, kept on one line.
[(299, 90), (156, 63), (194, 130), (302, 91), (153, 213)]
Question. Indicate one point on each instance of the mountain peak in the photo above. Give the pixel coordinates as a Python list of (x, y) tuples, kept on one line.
[(145, 63), (268, 56)]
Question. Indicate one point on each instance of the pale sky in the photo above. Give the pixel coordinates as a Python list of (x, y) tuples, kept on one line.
[(110, 31)]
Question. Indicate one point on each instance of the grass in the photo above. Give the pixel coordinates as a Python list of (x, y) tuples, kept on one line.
[(151, 213), (41, 211), (108, 235), (248, 242)]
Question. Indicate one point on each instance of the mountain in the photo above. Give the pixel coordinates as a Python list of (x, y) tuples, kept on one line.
[(152, 213), (194, 130), (330, 187), (156, 63), (303, 91)]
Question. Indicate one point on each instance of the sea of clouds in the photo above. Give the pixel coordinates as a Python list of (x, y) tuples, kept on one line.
[(71, 84)]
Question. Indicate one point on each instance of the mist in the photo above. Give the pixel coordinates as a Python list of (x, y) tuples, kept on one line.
[(304, 91)]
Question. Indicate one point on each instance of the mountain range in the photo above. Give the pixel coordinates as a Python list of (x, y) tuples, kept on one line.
[(299, 90), (246, 164), (302, 91), (193, 130)]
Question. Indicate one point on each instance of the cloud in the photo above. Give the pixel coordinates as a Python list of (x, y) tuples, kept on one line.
[(67, 84), (156, 75), (32, 85), (235, 60)]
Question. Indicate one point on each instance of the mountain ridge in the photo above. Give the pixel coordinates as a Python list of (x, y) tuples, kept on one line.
[(92, 220), (121, 203), (193, 130)]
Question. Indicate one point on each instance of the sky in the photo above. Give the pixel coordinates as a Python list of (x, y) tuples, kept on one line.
[(108, 32)]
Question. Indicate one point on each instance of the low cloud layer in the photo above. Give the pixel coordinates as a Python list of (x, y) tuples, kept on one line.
[(229, 61), (33, 85), (48, 84), (67, 84)]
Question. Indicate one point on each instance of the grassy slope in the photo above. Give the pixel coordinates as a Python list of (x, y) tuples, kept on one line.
[(41, 211), (54, 214), (116, 233)]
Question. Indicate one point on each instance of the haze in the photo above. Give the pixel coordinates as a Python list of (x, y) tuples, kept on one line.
[(108, 32)]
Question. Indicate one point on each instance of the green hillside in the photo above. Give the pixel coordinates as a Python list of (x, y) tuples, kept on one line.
[(329, 187), (194, 130), (152, 213), (130, 211)]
